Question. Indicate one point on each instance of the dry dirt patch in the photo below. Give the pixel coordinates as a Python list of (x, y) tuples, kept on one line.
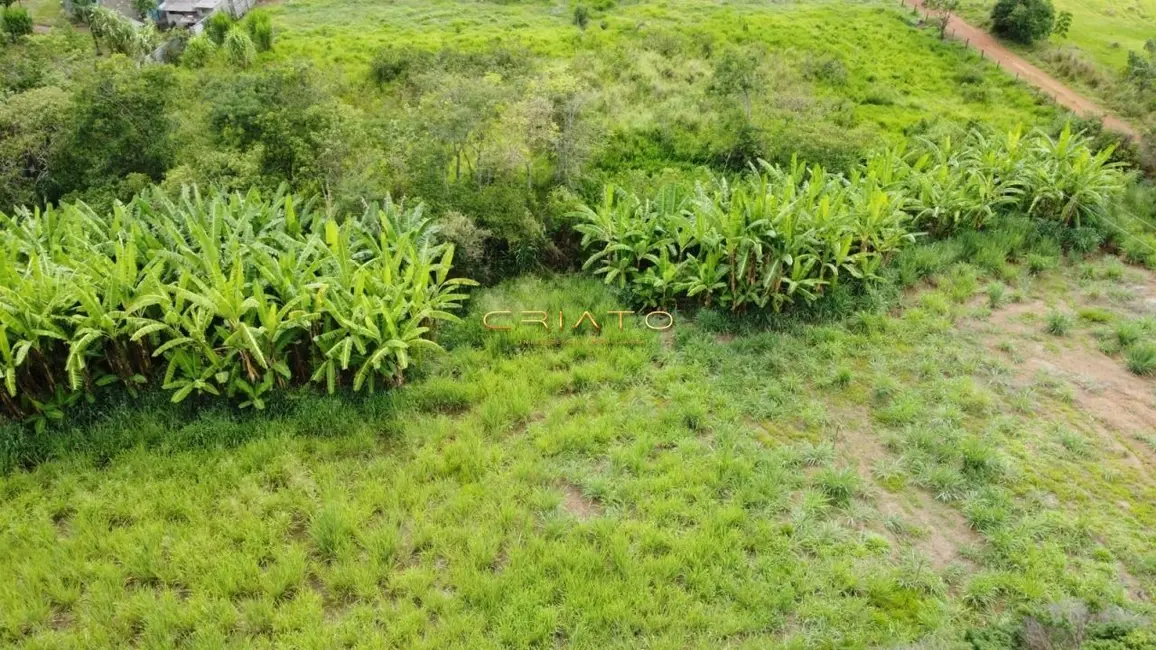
[(945, 530), (1121, 404), (579, 505)]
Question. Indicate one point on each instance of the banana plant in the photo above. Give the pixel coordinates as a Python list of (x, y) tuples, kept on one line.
[(233, 295)]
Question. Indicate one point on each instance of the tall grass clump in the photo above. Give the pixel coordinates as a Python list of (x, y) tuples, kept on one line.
[(1141, 359), (260, 27), (231, 295)]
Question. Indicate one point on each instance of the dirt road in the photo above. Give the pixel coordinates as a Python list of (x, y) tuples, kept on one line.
[(980, 40)]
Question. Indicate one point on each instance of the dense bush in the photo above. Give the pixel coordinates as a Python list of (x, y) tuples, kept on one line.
[(770, 238), (966, 183), (15, 22), (198, 51), (224, 295), (766, 239), (1023, 20)]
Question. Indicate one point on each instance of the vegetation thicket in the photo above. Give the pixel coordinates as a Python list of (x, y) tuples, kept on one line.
[(1024, 20), (778, 235), (500, 136), (219, 294), (903, 400)]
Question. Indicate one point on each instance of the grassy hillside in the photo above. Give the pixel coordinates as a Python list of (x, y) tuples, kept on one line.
[(1093, 57), (1105, 29), (950, 447), (894, 74), (894, 479)]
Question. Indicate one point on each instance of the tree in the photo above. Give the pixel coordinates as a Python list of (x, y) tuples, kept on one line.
[(120, 126), (943, 9), (282, 113), (459, 108), (530, 122), (144, 7), (1025, 21), (1141, 69), (117, 33), (34, 124), (16, 22), (1063, 23), (574, 141)]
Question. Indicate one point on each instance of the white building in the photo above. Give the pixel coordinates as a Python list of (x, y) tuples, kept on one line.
[(191, 13)]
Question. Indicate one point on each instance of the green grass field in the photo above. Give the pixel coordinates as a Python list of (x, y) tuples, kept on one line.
[(959, 455), (895, 76), (889, 480), (44, 12), (1105, 29)]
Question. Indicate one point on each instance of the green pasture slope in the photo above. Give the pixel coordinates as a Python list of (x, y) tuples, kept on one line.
[(1105, 29), (877, 483), (922, 473), (893, 75)]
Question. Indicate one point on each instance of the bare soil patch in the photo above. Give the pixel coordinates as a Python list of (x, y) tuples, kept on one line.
[(1121, 404), (579, 505), (945, 530)]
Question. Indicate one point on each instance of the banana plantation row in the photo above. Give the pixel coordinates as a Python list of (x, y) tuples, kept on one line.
[(776, 236), (238, 295)]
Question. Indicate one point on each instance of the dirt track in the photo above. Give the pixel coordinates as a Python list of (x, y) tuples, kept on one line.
[(980, 40)]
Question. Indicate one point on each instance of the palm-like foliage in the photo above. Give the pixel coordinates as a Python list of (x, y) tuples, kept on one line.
[(1072, 183), (227, 294), (763, 240), (969, 183), (119, 34), (779, 235)]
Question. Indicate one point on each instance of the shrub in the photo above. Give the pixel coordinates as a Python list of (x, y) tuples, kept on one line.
[(581, 16), (1058, 323), (1128, 332), (767, 239), (995, 294), (226, 295), (1069, 182), (218, 26), (16, 22), (966, 183), (198, 51), (1023, 20), (239, 48), (838, 485), (771, 238), (1063, 24), (392, 63), (260, 27)]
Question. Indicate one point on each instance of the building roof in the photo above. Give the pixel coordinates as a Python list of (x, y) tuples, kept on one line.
[(179, 6), (189, 6)]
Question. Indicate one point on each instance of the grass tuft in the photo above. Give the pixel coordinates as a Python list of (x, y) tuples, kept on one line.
[(1141, 359)]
